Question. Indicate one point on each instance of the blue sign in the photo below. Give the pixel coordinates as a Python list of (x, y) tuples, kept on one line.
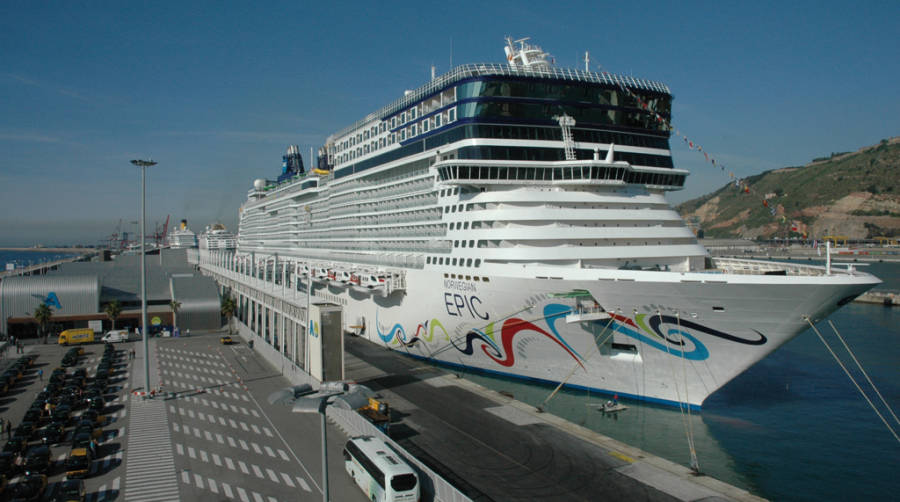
[(52, 301)]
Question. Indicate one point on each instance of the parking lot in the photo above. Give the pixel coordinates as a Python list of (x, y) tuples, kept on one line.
[(209, 434)]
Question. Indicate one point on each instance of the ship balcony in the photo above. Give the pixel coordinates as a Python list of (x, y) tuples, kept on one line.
[(480, 172)]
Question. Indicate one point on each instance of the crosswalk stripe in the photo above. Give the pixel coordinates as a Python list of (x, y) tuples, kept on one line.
[(287, 480)]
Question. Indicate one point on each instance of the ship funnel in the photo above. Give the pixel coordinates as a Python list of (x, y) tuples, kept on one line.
[(183, 224)]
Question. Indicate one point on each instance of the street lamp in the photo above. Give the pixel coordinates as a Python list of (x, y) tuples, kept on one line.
[(304, 400), (144, 164)]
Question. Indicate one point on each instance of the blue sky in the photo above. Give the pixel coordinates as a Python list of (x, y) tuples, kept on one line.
[(215, 91)]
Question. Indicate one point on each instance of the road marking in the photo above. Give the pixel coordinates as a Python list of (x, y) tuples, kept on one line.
[(243, 444), (242, 494), (185, 476), (203, 456), (256, 448), (191, 452), (231, 442), (227, 489), (302, 483), (219, 438), (269, 451), (243, 467), (174, 427), (212, 485), (272, 475), (287, 480), (208, 435), (284, 455), (255, 428), (257, 471), (198, 480), (268, 431), (229, 463), (150, 463), (217, 460), (179, 448), (221, 420)]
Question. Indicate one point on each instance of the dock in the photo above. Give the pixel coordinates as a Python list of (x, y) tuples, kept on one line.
[(492, 447), (44, 267)]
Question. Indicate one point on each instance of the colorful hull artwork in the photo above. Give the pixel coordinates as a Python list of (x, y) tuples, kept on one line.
[(665, 333)]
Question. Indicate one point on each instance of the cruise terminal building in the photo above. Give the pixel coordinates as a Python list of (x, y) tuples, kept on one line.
[(78, 293)]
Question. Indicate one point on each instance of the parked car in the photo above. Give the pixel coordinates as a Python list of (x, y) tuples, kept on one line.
[(37, 460), (78, 463), (53, 433), (30, 488), (70, 490)]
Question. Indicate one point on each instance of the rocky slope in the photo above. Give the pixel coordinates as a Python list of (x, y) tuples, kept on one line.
[(852, 194)]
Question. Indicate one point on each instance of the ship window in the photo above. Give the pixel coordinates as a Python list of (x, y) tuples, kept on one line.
[(477, 262), (451, 115), (412, 130), (471, 244), (476, 278), (437, 121), (425, 125), (446, 275), (366, 135), (718, 309), (456, 244), (403, 118), (468, 264), (486, 279), (454, 262), (393, 122)]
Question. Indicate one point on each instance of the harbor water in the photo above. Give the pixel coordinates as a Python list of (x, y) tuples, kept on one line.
[(792, 427)]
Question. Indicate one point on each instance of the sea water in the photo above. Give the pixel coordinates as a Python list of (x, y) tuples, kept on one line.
[(792, 427), (26, 258)]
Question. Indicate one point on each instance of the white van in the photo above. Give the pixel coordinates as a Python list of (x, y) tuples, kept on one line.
[(116, 335)]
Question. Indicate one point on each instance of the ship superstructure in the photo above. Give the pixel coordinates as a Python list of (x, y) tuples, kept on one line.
[(217, 237), (512, 218), (183, 237)]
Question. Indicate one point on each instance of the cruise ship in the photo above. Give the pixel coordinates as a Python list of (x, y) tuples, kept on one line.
[(511, 218), (216, 237), (183, 237)]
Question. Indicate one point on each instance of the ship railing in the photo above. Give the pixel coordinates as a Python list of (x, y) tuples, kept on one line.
[(483, 69), (758, 267)]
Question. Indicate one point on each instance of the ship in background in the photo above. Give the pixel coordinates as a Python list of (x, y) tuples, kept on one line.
[(217, 237), (511, 218), (183, 237)]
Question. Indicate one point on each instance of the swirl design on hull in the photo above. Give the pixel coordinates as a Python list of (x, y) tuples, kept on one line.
[(678, 338)]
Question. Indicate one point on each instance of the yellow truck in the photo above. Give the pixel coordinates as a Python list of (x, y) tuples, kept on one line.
[(74, 336)]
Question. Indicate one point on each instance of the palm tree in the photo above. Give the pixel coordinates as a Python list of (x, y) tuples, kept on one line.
[(228, 309), (174, 305), (42, 314), (113, 310)]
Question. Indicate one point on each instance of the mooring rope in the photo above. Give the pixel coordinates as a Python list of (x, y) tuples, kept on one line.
[(863, 371), (850, 376), (695, 462), (577, 365)]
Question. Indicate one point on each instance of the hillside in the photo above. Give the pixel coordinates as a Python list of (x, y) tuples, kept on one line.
[(855, 194)]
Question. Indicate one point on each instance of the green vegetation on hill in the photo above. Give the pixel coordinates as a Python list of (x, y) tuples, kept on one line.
[(850, 193)]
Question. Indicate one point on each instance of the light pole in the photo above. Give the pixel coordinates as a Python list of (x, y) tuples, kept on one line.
[(144, 164), (304, 400)]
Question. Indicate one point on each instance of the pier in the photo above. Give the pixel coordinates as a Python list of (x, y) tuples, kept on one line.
[(44, 267)]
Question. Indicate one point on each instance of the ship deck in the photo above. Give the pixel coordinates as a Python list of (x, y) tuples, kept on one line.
[(492, 447)]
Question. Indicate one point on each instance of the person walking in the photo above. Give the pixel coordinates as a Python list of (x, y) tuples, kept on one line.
[(41, 374), (8, 427)]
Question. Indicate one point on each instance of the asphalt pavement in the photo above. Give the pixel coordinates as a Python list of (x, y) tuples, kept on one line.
[(209, 434)]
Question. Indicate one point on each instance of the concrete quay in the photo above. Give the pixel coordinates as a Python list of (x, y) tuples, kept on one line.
[(492, 447)]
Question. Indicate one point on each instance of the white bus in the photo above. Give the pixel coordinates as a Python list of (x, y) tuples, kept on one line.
[(381, 473)]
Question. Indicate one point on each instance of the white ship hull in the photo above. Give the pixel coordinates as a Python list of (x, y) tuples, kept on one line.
[(517, 327)]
